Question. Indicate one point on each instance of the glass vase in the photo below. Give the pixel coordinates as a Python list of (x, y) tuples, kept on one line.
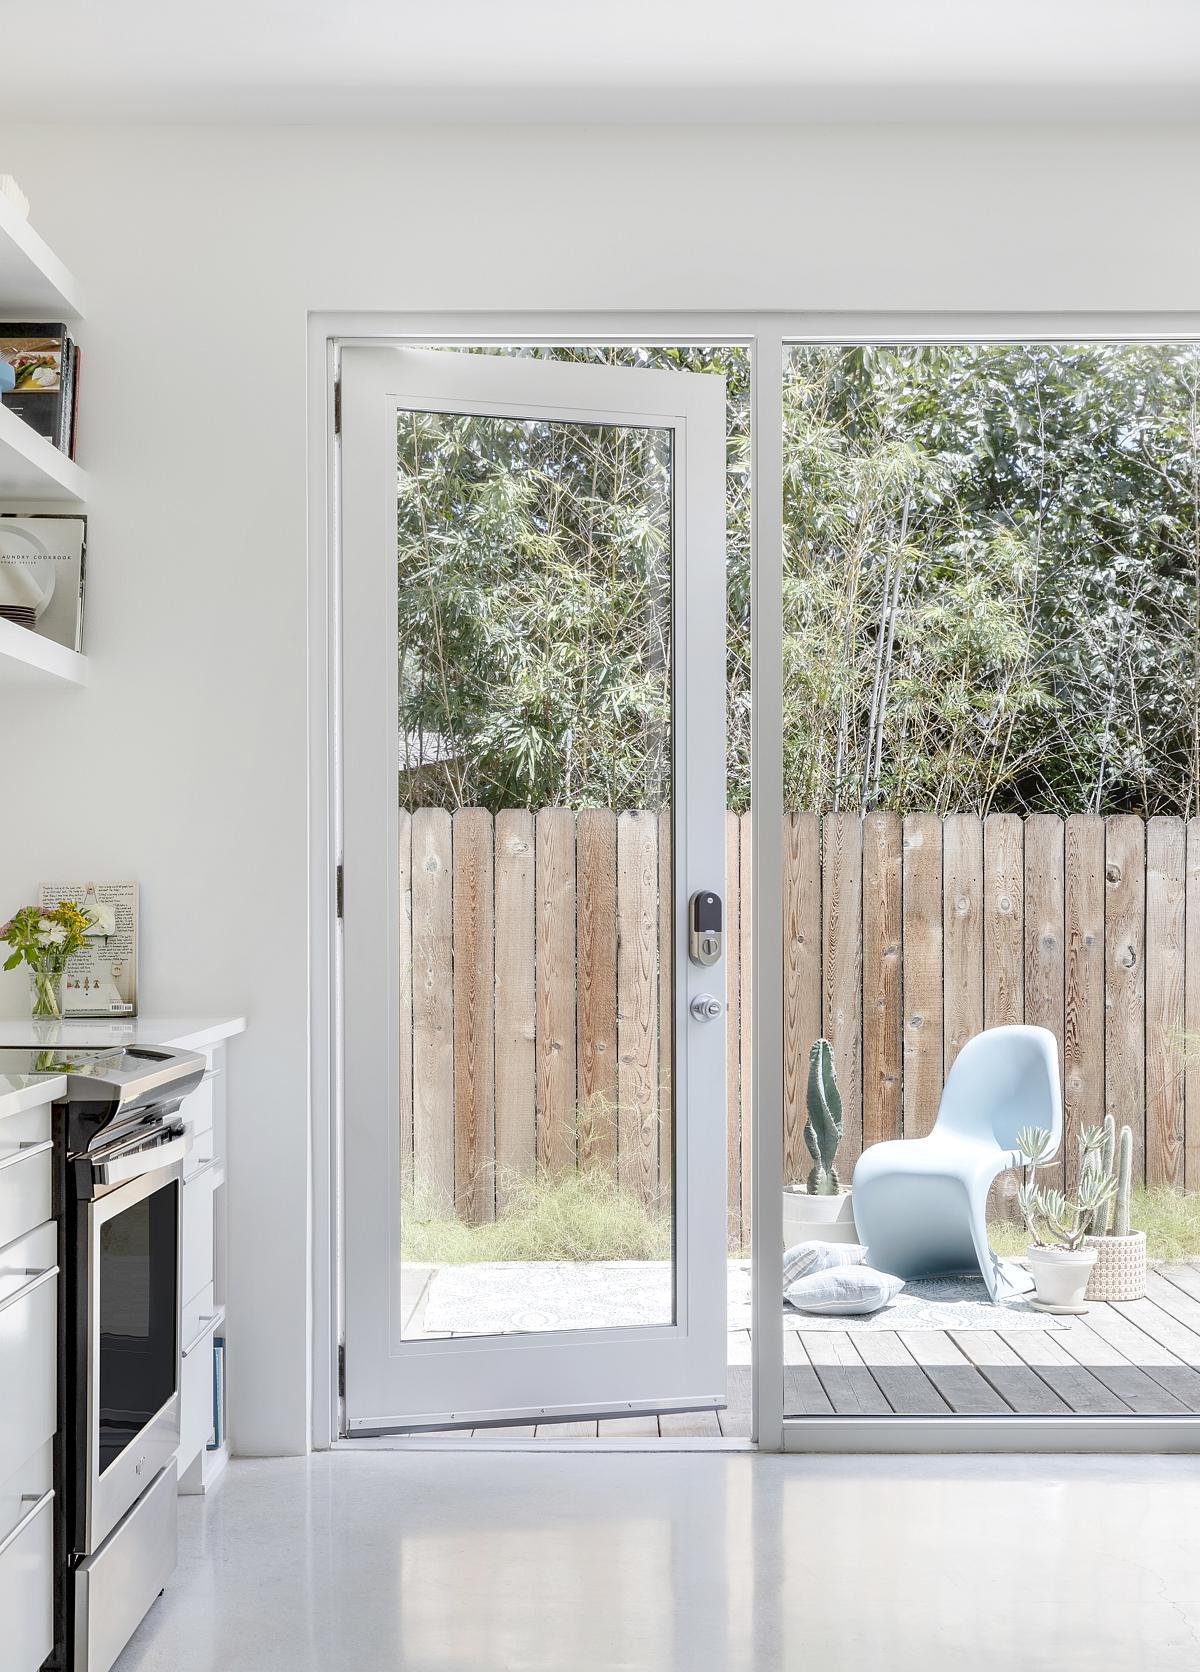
[(46, 994)]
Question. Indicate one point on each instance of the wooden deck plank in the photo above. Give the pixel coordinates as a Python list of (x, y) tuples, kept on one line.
[(1147, 1353), (1130, 1382), (689, 1425), (1185, 1277), (1162, 1327), (565, 1431), (1080, 1390), (849, 1386), (1019, 1386), (1173, 1299), (735, 1420), (899, 1377), (962, 1387), (644, 1426)]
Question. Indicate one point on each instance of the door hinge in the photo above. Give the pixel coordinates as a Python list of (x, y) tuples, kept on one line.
[(337, 406), (341, 1370), (341, 892)]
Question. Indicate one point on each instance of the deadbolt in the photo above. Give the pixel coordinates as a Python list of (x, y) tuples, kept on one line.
[(705, 939), (705, 1008)]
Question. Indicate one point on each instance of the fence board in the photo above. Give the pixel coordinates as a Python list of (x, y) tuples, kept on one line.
[(1166, 852), (474, 1030), (803, 1008), (882, 1001), (596, 998), (746, 888), (516, 1004), (1124, 978), (923, 947), (404, 994), (1083, 1008), (1045, 961), (962, 895), (637, 1003), (842, 941), (433, 1007), (1003, 921), (1191, 1012), (555, 883), (733, 1028)]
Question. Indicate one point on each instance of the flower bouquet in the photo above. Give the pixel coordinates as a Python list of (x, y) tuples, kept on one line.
[(44, 940)]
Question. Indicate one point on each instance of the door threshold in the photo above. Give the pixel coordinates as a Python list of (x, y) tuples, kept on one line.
[(474, 1443)]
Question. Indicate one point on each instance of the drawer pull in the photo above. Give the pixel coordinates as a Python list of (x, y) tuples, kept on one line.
[(27, 1151), (209, 1321), (39, 1504), (37, 1278), (209, 1074)]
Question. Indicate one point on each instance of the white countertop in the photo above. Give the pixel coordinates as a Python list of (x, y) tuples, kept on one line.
[(186, 1033)]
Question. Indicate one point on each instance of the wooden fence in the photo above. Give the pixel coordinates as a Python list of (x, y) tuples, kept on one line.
[(536, 970)]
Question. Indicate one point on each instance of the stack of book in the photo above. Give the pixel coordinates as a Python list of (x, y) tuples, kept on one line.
[(45, 363)]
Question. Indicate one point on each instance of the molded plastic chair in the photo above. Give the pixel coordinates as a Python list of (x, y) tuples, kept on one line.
[(920, 1204)]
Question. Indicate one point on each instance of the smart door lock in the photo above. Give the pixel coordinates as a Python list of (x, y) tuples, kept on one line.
[(705, 938)]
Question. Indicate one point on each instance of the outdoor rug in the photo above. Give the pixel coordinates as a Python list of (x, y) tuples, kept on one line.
[(513, 1297)]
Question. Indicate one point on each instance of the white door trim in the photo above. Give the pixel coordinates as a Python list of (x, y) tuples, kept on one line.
[(764, 332)]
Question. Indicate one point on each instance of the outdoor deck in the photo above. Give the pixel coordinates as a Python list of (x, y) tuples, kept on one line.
[(1123, 1358)]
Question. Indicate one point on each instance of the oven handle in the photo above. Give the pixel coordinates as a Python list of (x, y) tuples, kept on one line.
[(142, 1160), (36, 1279), (39, 1505)]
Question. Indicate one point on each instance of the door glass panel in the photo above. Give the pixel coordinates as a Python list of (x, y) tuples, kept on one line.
[(138, 1311), (535, 730)]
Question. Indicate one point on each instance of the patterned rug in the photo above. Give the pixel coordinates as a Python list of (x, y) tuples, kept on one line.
[(516, 1297)]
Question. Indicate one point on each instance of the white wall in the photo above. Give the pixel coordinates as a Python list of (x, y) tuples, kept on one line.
[(184, 764)]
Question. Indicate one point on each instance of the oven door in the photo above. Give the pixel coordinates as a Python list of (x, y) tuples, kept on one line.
[(132, 1365)]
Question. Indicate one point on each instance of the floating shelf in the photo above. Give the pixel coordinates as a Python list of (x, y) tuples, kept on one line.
[(27, 659), (30, 468), (34, 284)]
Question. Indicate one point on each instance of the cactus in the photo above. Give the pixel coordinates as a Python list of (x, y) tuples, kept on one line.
[(1124, 1181), (1108, 1156), (823, 1131)]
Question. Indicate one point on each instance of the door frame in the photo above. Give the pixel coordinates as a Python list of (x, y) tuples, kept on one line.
[(764, 333)]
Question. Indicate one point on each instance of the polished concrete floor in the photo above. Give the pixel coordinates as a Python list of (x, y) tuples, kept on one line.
[(682, 1562)]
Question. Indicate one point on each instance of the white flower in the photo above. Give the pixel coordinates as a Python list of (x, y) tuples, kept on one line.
[(50, 934)]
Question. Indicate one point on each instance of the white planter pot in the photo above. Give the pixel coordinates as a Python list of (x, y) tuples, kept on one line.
[(1120, 1269), (817, 1218), (1061, 1276)]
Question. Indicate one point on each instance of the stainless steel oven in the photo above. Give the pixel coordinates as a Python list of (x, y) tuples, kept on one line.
[(120, 1146)]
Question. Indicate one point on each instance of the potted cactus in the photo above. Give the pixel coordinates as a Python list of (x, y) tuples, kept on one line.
[(1060, 1257), (819, 1207), (1120, 1269)]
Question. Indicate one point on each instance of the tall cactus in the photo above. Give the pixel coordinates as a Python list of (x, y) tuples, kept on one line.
[(1108, 1155), (823, 1131), (1124, 1183)]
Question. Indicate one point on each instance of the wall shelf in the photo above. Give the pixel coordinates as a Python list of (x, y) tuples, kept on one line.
[(30, 468), (27, 659), (34, 284)]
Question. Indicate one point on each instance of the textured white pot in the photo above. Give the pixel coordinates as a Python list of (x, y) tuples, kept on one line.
[(1061, 1275), (817, 1218), (1120, 1269)]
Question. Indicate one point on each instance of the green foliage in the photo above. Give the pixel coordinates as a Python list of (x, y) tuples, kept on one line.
[(991, 587), (1054, 1219), (1170, 1219), (583, 1216), (823, 1129)]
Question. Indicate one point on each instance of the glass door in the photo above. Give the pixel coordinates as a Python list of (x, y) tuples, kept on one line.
[(533, 793)]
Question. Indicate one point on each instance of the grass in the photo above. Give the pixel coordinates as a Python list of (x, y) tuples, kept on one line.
[(582, 1217), (1170, 1220)]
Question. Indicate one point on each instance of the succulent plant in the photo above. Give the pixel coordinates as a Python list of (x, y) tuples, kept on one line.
[(1054, 1219), (823, 1130)]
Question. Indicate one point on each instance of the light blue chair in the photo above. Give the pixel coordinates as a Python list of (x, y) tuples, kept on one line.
[(920, 1204)]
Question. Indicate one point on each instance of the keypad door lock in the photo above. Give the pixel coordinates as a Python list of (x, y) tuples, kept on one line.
[(705, 937)]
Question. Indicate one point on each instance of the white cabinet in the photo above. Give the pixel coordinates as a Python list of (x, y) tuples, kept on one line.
[(202, 1324), (28, 1387)]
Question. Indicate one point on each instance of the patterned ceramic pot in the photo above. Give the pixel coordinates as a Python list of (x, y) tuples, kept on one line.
[(1120, 1269)]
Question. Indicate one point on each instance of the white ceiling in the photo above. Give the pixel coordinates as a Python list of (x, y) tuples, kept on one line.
[(602, 60)]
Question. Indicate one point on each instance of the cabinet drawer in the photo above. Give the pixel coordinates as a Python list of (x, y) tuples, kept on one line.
[(28, 1346), (197, 1234), (26, 1172), (196, 1390), (27, 1564), (197, 1110)]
